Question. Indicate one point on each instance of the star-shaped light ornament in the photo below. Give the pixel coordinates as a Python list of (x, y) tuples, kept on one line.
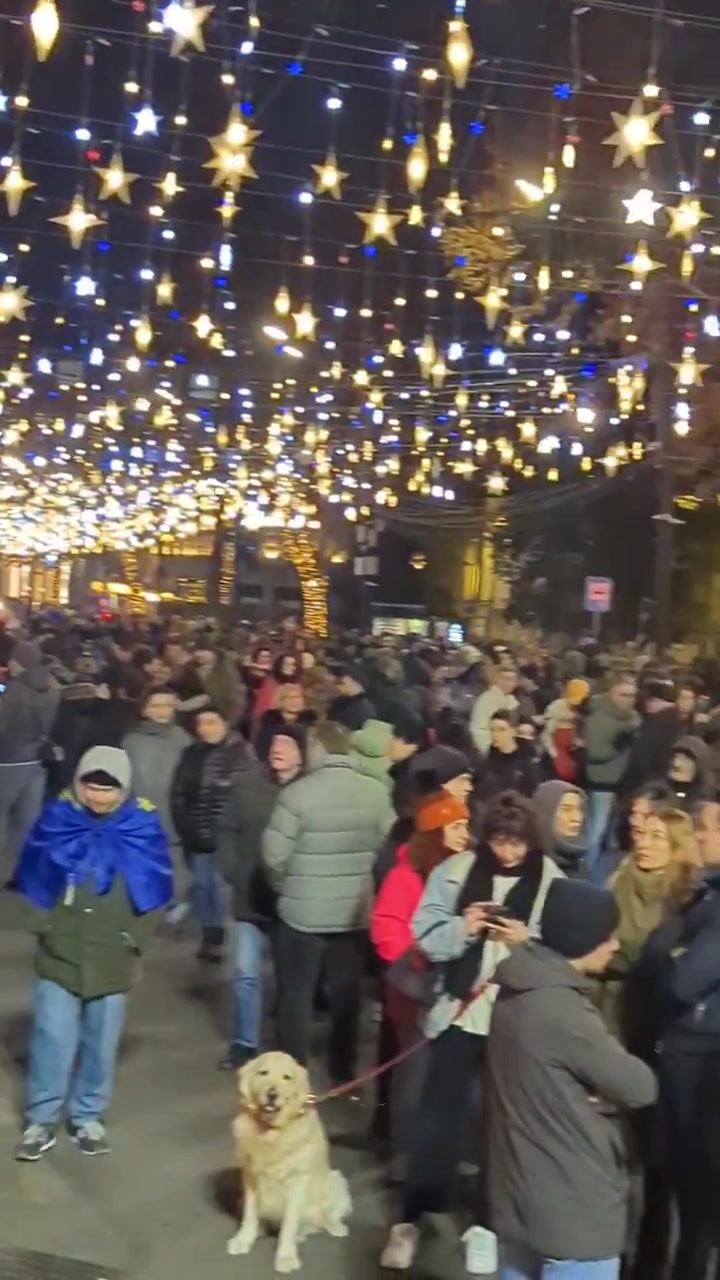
[(493, 303), (228, 207), (14, 186), (641, 264), (515, 331), (78, 221), (14, 302), (379, 224), (115, 181), (232, 167), (186, 21), (233, 152), (146, 121), (169, 187), (453, 203), (306, 322), (416, 216), (15, 376), (329, 177), (689, 372), (165, 290), (634, 133), (686, 217), (642, 207)]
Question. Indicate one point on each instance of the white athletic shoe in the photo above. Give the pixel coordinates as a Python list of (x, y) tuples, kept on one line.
[(399, 1252), (481, 1252)]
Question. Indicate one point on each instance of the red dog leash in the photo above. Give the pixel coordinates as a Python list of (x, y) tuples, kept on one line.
[(368, 1076)]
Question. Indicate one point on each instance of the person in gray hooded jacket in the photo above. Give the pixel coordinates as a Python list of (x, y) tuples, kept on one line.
[(318, 852), (154, 747), (557, 1187), (27, 713), (561, 809)]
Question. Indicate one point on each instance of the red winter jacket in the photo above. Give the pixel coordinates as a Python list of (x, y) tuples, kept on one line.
[(394, 908)]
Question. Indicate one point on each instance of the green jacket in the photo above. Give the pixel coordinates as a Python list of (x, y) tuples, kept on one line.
[(92, 945), (609, 735)]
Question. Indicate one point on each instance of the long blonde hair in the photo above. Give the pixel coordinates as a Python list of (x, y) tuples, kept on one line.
[(682, 871)]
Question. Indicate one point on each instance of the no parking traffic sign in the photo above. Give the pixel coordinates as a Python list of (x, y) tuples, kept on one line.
[(599, 595)]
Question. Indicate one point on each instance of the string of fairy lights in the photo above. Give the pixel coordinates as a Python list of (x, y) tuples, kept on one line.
[(451, 312)]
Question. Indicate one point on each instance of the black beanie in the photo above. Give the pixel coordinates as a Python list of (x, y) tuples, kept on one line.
[(577, 918), (100, 778)]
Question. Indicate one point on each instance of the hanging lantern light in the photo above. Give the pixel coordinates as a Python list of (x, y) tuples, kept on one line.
[(45, 25), (459, 51)]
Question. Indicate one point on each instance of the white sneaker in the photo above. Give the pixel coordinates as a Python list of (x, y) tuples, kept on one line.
[(481, 1252), (399, 1252)]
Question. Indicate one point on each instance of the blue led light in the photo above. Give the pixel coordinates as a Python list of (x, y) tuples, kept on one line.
[(179, 358), (102, 246), (476, 127), (582, 297), (247, 108), (461, 260), (370, 250), (220, 282), (410, 138), (589, 370), (294, 68), (563, 91)]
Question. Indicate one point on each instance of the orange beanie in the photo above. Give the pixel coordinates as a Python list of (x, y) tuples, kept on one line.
[(439, 810)]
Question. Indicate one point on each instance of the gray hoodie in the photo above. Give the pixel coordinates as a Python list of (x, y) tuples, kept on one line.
[(155, 751), (556, 1162)]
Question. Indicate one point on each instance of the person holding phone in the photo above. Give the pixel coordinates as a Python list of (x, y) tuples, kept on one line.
[(476, 907)]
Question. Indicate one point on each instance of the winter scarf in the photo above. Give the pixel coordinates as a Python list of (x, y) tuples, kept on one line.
[(72, 846), (478, 887), (640, 895)]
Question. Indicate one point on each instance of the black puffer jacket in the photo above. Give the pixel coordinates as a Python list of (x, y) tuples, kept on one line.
[(250, 802), (200, 790)]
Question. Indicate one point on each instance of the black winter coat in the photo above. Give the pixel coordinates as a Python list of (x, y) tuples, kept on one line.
[(200, 790), (673, 993), (512, 771), (250, 802)]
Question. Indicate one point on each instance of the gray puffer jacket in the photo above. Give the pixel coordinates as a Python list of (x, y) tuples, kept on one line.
[(320, 846), (557, 1178), (155, 751)]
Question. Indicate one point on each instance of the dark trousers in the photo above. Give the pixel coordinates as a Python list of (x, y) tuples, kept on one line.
[(300, 959), (454, 1068), (690, 1101)]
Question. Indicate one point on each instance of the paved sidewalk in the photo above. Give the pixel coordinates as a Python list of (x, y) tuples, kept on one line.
[(161, 1206)]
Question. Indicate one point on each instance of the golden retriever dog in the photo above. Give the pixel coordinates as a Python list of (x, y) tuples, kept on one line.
[(284, 1158)]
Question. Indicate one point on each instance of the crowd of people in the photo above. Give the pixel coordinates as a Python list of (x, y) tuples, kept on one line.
[(516, 856)]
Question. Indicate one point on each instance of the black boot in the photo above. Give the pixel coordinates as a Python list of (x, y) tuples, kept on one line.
[(211, 946)]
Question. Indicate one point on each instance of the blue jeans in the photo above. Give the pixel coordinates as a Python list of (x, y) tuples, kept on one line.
[(523, 1264), (67, 1028), (599, 813), (251, 944), (208, 892)]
